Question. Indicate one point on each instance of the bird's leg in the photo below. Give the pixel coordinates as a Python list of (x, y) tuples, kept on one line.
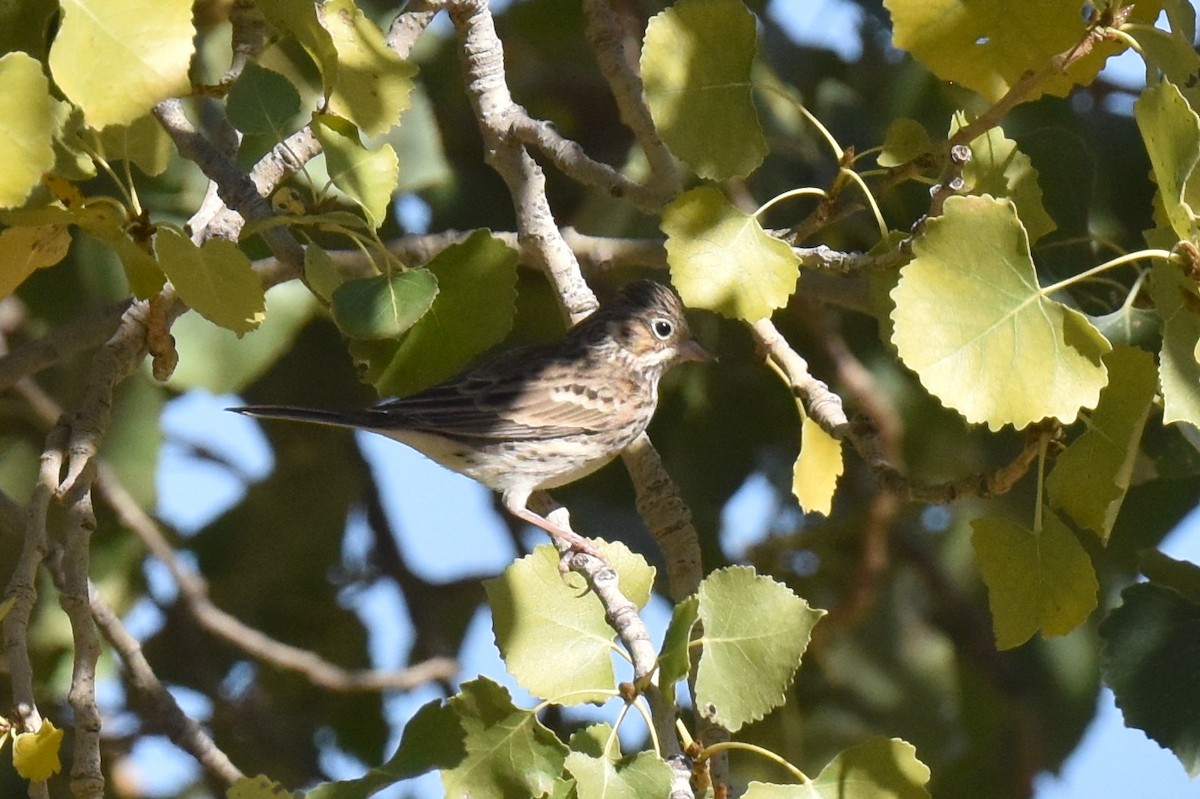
[(515, 505)]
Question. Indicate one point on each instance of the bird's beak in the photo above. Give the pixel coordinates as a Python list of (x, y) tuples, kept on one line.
[(691, 350)]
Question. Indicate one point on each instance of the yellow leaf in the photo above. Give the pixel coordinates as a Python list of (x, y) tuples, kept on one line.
[(815, 476), (24, 250), (35, 754)]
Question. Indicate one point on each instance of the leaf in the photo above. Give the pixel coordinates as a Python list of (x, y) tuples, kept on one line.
[(675, 659), (755, 632), (474, 310), (817, 469), (24, 250), (433, 738), (142, 142), (1091, 476), (881, 768), (366, 176), (1148, 656), (1128, 326), (35, 754), (216, 280), (27, 127), (906, 140), (418, 143), (973, 323), (259, 787), (217, 360), (116, 58), (642, 775), (300, 20), (383, 306), (696, 61), (71, 160), (1171, 131), (509, 752), (534, 611), (1177, 299), (141, 270), (998, 168), (1036, 581), (372, 83), (722, 259), (262, 101), (988, 47)]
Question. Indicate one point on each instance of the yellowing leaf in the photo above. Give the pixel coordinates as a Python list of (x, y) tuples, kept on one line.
[(35, 754), (260, 787), (300, 20), (27, 125), (372, 83), (1036, 581), (367, 176), (1091, 476), (988, 47), (1171, 131), (24, 250), (972, 322), (722, 259), (116, 58), (905, 140), (215, 280), (696, 62), (1177, 299), (142, 142), (998, 168), (816, 473)]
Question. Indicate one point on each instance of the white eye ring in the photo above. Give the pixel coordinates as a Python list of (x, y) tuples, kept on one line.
[(663, 328)]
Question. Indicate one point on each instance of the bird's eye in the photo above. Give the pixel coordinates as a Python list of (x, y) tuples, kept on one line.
[(662, 328)]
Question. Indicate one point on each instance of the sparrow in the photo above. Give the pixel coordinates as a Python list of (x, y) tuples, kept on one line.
[(544, 416)]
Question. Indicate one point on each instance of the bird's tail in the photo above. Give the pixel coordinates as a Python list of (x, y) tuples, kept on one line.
[(363, 419)]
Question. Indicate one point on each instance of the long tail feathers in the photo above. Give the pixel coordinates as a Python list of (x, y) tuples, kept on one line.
[(364, 419)]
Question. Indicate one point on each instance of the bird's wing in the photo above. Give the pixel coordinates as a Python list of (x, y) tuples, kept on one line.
[(530, 396)]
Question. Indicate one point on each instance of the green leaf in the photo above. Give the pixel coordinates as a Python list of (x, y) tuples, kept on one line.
[(722, 259), (973, 323), (696, 61), (418, 143), (216, 280), (366, 176), (299, 18), (474, 310), (24, 250), (881, 768), (35, 754), (433, 738), (534, 611), (988, 47), (217, 360), (509, 752), (817, 469), (906, 140), (116, 58), (71, 160), (259, 787), (1128, 326), (383, 306), (1178, 575), (755, 632), (141, 270), (1171, 131), (675, 660), (1036, 581), (998, 168), (1091, 476), (372, 83), (320, 272), (262, 101), (142, 142), (1177, 299), (1149, 658), (27, 126), (642, 775)]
